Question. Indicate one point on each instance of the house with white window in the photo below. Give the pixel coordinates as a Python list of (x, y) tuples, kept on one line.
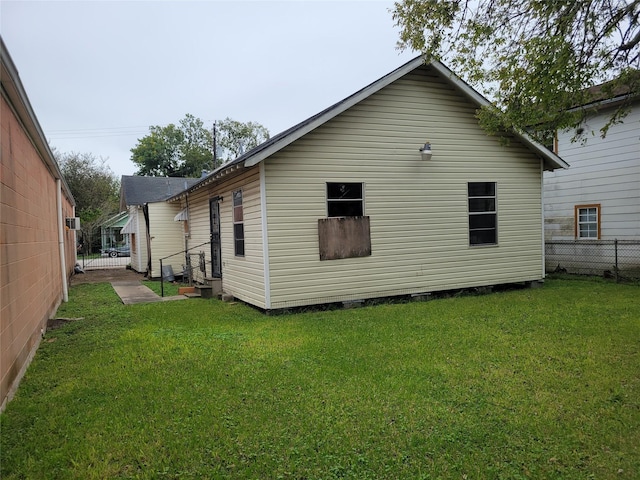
[(155, 229), (597, 201), (395, 190)]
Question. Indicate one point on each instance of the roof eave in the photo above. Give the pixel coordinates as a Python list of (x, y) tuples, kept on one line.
[(214, 176), (550, 159), (334, 111)]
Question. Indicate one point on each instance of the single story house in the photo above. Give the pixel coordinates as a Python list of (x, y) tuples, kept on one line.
[(395, 190), (111, 231), (153, 232), (37, 236)]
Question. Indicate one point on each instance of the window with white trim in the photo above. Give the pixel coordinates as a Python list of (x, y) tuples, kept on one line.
[(345, 200), (238, 224), (587, 221), (483, 217)]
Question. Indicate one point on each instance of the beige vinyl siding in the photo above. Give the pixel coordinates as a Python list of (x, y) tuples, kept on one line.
[(167, 237), (242, 277), (418, 209), (199, 236), (199, 219)]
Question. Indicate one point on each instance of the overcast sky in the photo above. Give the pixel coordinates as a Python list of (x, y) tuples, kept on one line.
[(99, 73)]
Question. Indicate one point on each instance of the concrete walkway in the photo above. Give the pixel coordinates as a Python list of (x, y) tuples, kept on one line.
[(132, 292)]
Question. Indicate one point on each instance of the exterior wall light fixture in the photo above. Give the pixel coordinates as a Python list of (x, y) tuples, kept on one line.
[(425, 151)]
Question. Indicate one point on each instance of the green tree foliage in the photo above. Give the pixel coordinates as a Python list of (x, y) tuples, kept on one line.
[(186, 150), (196, 149), (533, 58), (236, 138), (94, 186), (174, 151)]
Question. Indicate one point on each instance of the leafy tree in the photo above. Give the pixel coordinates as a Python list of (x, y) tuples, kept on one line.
[(196, 148), (94, 186), (236, 138), (174, 151), (158, 153), (533, 58), (187, 149)]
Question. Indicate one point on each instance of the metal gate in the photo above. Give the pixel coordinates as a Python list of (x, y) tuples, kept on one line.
[(99, 251)]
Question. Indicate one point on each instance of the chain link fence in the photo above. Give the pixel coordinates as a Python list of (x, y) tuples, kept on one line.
[(618, 259)]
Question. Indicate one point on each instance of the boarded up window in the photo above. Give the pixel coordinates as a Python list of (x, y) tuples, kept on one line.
[(344, 237)]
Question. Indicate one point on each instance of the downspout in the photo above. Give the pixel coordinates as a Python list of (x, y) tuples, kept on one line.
[(544, 259), (75, 240), (265, 238), (63, 263)]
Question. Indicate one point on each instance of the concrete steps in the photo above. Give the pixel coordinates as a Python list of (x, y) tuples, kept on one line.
[(212, 288)]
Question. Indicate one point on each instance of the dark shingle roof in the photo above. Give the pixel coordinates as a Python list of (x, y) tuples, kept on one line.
[(138, 190), (614, 89)]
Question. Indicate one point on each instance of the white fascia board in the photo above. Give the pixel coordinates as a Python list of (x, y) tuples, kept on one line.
[(550, 158), (456, 81)]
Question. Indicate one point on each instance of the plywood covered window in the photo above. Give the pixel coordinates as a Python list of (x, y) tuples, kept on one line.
[(483, 216), (238, 224), (345, 199), (588, 221), (346, 232)]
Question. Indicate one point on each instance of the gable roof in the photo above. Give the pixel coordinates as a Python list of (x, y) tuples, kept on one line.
[(118, 220), (138, 190), (278, 142)]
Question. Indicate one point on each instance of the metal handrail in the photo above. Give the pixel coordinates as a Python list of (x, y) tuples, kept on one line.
[(185, 251)]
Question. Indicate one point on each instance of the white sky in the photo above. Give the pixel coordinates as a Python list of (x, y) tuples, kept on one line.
[(99, 73)]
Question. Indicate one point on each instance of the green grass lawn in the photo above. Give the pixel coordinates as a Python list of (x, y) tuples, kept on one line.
[(538, 383), (169, 287)]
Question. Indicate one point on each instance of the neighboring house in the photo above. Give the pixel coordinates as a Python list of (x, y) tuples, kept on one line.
[(153, 232), (37, 249), (597, 200), (344, 206), (111, 232)]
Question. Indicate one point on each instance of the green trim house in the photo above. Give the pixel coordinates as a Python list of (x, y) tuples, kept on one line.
[(111, 231)]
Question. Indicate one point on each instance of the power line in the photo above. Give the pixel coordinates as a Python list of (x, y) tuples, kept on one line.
[(98, 128), (79, 133), (99, 132), (76, 135)]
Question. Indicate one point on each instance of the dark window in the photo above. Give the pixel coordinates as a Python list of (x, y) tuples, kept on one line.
[(345, 200), (483, 219), (238, 224)]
